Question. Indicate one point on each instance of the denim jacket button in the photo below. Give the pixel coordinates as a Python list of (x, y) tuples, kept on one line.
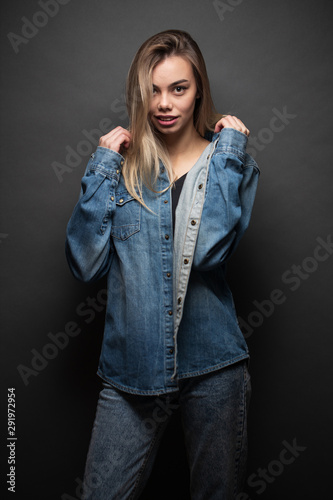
[(186, 261), (193, 222), (170, 313), (167, 236), (200, 186)]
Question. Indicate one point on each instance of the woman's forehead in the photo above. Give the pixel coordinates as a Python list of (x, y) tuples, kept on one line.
[(172, 69)]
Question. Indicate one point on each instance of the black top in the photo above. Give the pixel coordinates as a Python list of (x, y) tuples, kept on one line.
[(175, 194)]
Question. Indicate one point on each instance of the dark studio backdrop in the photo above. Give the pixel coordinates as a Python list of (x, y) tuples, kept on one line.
[(63, 69)]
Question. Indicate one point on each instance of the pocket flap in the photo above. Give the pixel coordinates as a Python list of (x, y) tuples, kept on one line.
[(123, 198)]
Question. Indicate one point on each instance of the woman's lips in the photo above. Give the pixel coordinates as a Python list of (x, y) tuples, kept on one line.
[(167, 120)]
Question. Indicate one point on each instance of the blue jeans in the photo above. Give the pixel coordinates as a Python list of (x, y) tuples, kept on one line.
[(128, 429)]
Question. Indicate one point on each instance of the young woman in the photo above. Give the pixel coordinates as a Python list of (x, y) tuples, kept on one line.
[(163, 205)]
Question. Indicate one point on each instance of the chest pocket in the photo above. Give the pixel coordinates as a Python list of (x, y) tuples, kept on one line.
[(126, 218)]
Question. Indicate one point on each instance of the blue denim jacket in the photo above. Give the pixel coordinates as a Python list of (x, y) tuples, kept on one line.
[(170, 313)]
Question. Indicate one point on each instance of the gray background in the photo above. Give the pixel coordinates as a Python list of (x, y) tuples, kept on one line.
[(262, 57)]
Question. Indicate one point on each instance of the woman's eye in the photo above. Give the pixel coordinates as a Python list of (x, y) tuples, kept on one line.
[(179, 89)]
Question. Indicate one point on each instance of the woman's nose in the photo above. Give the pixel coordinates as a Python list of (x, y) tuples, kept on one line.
[(164, 102)]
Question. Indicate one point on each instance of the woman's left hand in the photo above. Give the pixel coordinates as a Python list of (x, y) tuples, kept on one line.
[(231, 122)]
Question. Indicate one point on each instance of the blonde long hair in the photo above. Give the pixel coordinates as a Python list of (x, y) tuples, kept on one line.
[(146, 148)]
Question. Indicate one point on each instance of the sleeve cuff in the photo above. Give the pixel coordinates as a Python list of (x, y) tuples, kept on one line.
[(107, 158), (231, 138)]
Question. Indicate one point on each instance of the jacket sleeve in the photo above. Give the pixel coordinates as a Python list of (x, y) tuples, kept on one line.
[(88, 243), (230, 192)]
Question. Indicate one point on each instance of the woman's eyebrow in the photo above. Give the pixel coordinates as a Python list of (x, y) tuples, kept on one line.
[(172, 84)]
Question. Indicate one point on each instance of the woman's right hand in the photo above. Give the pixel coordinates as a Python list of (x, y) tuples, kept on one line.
[(116, 139)]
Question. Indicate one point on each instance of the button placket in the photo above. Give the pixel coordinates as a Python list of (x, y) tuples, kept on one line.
[(167, 265), (192, 229)]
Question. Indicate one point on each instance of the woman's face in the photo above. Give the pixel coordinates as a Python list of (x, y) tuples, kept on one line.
[(174, 95)]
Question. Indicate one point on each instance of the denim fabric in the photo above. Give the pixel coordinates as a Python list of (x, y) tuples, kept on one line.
[(128, 429), (170, 313)]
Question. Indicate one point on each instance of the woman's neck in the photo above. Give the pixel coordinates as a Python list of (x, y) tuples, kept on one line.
[(184, 150)]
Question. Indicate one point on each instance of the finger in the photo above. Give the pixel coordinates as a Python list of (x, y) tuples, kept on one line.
[(115, 139), (234, 122), (222, 123), (237, 124), (218, 127), (114, 134), (241, 127), (120, 134)]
